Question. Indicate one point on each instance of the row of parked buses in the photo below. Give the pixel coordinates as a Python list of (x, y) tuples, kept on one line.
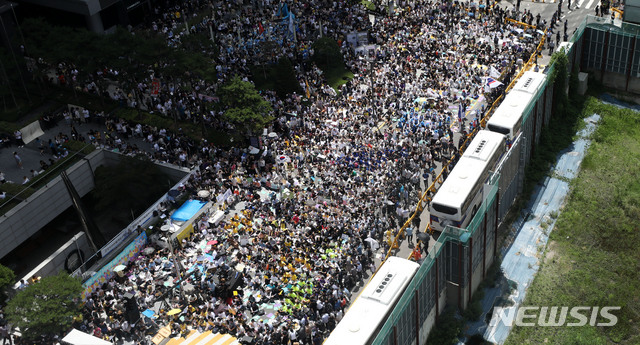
[(455, 203), (457, 200)]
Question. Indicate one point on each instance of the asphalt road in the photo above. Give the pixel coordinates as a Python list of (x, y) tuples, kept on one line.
[(573, 16)]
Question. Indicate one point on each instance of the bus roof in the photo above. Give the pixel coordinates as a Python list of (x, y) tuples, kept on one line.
[(483, 145), (459, 183), (509, 113), (468, 171), (360, 324), (510, 110), (530, 82)]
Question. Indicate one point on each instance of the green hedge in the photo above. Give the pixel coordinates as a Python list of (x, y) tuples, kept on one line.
[(9, 127), (65, 95), (78, 146), (190, 129), (16, 188)]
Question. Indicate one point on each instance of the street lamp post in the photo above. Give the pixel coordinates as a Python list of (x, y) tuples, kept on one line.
[(371, 57), (168, 228)]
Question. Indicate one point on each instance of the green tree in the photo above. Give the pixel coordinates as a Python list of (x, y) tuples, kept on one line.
[(244, 106), (559, 78), (285, 76), (447, 329), (198, 42), (327, 54), (7, 277), (10, 80), (47, 307), (123, 51)]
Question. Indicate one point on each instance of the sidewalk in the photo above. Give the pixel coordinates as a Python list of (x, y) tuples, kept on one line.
[(31, 155)]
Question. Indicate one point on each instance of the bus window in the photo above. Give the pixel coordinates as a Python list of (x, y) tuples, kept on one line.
[(498, 129), (444, 209)]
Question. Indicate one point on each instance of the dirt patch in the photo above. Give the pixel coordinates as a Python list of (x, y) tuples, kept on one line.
[(551, 252)]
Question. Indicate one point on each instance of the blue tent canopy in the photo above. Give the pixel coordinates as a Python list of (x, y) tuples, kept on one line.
[(187, 210)]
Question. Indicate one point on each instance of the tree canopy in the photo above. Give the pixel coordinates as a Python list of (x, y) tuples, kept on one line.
[(121, 50), (285, 78), (7, 277), (47, 307), (245, 107), (327, 54)]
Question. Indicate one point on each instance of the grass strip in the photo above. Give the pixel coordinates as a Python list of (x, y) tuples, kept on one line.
[(592, 259)]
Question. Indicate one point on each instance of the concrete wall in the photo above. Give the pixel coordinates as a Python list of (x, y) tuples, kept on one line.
[(431, 319), (36, 211), (634, 85), (616, 81), (478, 275), (56, 261), (29, 216)]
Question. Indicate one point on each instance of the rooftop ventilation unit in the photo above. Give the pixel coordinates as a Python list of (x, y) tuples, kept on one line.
[(386, 287)]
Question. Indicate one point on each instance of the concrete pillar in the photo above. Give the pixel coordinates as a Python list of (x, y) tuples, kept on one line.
[(94, 23)]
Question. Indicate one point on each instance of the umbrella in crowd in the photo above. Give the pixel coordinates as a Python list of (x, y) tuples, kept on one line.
[(173, 311), (149, 313), (423, 237), (373, 243)]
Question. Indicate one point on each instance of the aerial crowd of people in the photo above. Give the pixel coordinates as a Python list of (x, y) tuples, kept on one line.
[(336, 173)]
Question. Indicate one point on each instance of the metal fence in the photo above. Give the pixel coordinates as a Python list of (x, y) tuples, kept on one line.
[(511, 176), (457, 254), (611, 50), (460, 258)]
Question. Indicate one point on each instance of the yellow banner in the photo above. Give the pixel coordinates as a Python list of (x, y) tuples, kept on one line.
[(184, 233)]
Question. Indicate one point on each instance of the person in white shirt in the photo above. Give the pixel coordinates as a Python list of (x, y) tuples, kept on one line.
[(293, 335), (126, 328)]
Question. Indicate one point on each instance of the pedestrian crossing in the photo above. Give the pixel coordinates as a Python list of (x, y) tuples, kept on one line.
[(578, 5), (589, 4)]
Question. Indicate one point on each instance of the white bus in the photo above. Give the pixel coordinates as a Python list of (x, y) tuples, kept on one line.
[(362, 322), (507, 119), (460, 196)]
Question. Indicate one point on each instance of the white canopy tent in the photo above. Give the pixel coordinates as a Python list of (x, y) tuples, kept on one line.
[(76, 337)]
